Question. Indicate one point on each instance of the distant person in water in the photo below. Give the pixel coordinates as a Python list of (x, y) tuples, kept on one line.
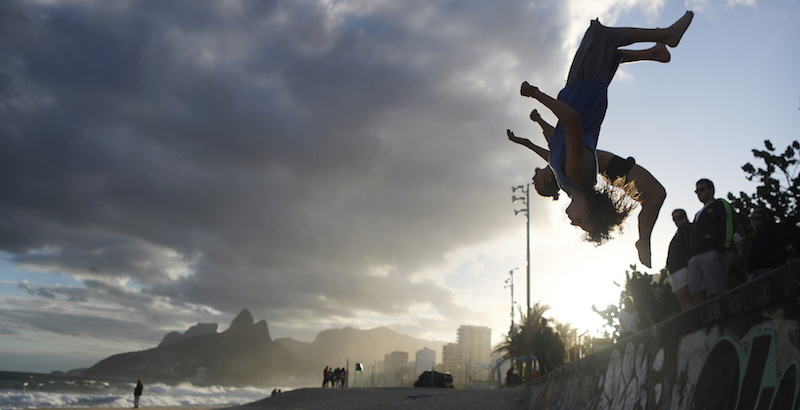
[(137, 392), (580, 108)]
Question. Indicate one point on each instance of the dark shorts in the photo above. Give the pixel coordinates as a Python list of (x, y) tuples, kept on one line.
[(618, 168), (597, 57)]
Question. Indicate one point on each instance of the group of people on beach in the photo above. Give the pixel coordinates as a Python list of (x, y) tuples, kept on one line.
[(334, 377)]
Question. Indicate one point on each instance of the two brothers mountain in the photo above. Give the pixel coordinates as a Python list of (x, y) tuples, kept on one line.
[(245, 354)]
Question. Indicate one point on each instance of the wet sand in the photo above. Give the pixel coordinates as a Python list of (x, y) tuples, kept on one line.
[(394, 398)]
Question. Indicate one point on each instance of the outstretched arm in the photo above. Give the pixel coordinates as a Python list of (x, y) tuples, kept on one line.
[(545, 154), (652, 195), (573, 133), (566, 114)]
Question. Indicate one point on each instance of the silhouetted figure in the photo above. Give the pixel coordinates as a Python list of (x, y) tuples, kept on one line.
[(766, 251), (558, 350), (678, 258), (629, 319), (544, 340), (512, 378), (712, 239), (326, 378), (580, 108), (658, 308), (137, 393), (615, 171)]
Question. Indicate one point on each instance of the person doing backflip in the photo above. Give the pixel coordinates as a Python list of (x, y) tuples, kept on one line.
[(580, 108), (637, 183)]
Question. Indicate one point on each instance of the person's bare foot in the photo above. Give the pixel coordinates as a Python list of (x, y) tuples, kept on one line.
[(660, 53), (678, 28)]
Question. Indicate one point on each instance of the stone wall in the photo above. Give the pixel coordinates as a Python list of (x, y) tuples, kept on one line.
[(738, 351)]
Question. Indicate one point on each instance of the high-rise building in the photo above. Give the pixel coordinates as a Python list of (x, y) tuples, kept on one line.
[(425, 360), (394, 366), (452, 358), (468, 360)]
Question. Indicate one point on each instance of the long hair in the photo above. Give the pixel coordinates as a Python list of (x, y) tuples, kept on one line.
[(609, 205)]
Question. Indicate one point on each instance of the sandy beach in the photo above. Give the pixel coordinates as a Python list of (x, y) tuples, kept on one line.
[(384, 398), (395, 398)]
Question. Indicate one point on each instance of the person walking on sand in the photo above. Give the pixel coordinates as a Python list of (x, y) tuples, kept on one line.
[(581, 107), (137, 392)]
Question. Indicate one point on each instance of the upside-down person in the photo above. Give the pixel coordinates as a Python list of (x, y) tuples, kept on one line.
[(597, 208), (637, 183)]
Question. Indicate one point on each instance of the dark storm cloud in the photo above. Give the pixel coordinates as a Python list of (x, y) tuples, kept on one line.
[(119, 313), (95, 326), (298, 158)]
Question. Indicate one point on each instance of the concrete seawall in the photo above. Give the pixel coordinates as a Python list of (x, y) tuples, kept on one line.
[(738, 351)]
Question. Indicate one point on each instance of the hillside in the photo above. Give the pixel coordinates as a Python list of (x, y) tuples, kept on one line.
[(245, 354)]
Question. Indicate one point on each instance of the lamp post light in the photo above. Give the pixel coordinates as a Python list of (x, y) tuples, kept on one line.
[(525, 190)]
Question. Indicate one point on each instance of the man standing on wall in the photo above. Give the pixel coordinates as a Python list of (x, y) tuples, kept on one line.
[(543, 345), (678, 259), (712, 238)]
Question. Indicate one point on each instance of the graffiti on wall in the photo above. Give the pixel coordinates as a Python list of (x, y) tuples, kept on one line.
[(707, 369), (738, 351)]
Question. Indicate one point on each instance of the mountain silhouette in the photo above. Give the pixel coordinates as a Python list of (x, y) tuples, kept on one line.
[(242, 354), (245, 354)]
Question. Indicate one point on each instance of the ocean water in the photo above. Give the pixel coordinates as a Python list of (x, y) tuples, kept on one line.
[(36, 390)]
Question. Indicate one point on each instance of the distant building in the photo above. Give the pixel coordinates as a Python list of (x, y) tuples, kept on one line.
[(452, 358), (394, 366), (469, 359), (425, 360)]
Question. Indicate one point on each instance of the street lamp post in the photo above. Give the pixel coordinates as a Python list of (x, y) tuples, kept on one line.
[(510, 284), (526, 200)]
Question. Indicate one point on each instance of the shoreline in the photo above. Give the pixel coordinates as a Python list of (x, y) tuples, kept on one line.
[(313, 398), (118, 408)]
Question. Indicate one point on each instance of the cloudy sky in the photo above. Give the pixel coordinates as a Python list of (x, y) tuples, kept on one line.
[(337, 163)]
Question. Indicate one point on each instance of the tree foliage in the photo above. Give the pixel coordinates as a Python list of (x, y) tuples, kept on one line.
[(642, 287), (514, 344), (778, 192)]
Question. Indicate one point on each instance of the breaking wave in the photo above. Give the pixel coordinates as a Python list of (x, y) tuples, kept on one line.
[(32, 391)]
